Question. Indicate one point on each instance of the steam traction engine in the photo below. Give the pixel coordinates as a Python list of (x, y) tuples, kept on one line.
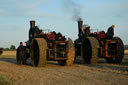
[(42, 47), (96, 45)]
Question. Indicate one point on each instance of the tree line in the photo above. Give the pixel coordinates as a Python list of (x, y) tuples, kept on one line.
[(12, 47), (125, 46)]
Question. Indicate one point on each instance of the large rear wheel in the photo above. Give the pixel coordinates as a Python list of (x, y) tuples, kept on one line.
[(89, 50), (39, 52)]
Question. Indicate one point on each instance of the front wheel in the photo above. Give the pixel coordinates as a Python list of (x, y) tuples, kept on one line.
[(119, 54), (120, 50)]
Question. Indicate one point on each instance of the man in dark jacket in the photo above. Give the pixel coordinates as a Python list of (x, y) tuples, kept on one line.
[(21, 54), (110, 32)]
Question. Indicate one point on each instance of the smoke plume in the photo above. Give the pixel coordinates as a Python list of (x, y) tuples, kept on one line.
[(71, 7)]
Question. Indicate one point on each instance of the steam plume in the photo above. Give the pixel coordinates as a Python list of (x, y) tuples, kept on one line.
[(73, 8)]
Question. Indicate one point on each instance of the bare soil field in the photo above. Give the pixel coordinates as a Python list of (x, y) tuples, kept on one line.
[(53, 74)]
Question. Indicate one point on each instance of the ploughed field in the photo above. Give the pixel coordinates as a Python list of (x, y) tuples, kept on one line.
[(54, 74)]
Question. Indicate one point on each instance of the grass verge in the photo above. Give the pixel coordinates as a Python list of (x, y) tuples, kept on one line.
[(3, 81)]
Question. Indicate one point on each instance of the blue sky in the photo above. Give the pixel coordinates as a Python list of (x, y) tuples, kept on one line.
[(57, 15)]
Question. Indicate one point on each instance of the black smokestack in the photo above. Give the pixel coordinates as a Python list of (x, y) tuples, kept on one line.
[(32, 23), (74, 8), (80, 23)]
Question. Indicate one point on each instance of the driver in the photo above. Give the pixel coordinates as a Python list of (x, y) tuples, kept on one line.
[(86, 30), (110, 32)]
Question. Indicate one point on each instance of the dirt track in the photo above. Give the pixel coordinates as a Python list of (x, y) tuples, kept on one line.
[(53, 74)]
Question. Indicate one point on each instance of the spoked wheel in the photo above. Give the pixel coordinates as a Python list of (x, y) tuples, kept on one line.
[(70, 55), (89, 50), (21, 55), (39, 52), (119, 53)]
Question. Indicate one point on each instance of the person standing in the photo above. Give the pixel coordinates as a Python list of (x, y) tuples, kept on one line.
[(21, 54), (110, 32)]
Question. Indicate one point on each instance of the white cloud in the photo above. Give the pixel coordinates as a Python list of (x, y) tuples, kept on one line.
[(19, 7)]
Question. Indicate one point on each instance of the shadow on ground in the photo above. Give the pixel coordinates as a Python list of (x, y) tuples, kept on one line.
[(103, 64), (9, 60), (13, 61)]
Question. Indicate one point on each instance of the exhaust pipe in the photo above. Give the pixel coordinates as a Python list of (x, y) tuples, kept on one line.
[(32, 23), (80, 23)]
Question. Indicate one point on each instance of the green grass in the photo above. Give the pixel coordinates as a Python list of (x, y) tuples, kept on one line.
[(3, 81)]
